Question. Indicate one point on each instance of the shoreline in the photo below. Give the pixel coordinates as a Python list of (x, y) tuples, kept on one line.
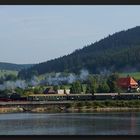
[(69, 110), (107, 109), (78, 106)]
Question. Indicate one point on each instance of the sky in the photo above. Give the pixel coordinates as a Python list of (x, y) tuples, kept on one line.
[(33, 34)]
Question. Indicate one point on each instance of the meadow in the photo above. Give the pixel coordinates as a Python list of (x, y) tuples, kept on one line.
[(7, 72), (135, 75)]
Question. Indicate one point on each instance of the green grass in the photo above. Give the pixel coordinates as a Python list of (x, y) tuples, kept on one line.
[(7, 72), (136, 75), (41, 77), (106, 103)]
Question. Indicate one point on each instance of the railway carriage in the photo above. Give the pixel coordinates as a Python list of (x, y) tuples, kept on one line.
[(105, 96), (81, 97), (128, 96), (59, 97), (48, 97)]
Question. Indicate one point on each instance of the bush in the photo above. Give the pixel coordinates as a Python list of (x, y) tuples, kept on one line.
[(108, 103), (79, 104), (68, 105), (96, 104), (88, 104)]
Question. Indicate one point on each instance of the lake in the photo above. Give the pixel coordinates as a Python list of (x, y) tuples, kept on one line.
[(109, 123)]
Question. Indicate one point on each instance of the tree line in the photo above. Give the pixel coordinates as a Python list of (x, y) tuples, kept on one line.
[(108, 85)]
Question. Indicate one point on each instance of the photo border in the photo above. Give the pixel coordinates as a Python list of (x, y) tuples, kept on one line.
[(69, 2)]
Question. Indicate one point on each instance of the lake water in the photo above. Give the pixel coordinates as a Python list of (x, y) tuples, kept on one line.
[(118, 123)]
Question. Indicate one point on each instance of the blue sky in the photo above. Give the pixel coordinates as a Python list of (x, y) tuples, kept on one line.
[(33, 34)]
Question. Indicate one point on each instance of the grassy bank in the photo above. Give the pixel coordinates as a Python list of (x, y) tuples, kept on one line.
[(110, 105), (82, 106), (10, 110)]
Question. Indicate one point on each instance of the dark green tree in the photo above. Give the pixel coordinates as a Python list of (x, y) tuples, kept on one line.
[(2, 79), (112, 82), (19, 91), (36, 90), (55, 88), (82, 90), (76, 88), (4, 93), (62, 87), (91, 85), (103, 88), (10, 77)]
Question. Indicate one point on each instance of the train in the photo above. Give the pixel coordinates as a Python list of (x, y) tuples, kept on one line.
[(74, 97), (83, 97)]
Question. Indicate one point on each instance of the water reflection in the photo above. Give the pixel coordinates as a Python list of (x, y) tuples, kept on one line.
[(117, 123), (133, 124)]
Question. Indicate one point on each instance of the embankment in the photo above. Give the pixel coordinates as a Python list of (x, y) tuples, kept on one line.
[(74, 106)]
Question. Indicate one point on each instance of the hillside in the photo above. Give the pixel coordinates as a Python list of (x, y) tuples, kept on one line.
[(13, 67), (118, 52)]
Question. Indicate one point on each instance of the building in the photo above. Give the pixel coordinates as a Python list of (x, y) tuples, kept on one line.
[(49, 91), (67, 91), (63, 91), (127, 83), (60, 91)]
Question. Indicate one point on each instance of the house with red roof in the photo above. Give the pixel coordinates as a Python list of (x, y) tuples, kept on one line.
[(127, 82)]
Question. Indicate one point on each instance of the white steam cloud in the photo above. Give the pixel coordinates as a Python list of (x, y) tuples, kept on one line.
[(54, 79), (59, 78), (84, 74)]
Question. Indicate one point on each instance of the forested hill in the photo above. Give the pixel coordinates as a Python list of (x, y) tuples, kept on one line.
[(15, 67), (117, 52)]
